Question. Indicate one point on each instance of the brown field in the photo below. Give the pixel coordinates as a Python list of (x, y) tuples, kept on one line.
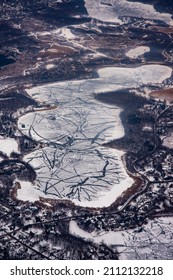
[(165, 94)]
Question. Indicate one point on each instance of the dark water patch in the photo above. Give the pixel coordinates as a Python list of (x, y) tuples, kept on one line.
[(5, 60), (7, 31), (14, 38), (161, 39), (23, 43), (122, 98), (154, 55), (63, 14), (133, 119), (135, 33)]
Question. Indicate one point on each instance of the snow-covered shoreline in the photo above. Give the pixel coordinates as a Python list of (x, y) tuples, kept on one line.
[(152, 241)]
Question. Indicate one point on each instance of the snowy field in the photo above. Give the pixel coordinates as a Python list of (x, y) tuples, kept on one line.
[(8, 145), (138, 51), (168, 141)]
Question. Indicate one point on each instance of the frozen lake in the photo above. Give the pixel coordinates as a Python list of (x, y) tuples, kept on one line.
[(73, 164), (115, 10)]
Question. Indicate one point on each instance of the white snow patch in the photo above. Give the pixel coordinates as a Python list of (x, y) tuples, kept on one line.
[(109, 238), (138, 51), (8, 145), (49, 66), (28, 192), (142, 75), (66, 32), (168, 141), (75, 230)]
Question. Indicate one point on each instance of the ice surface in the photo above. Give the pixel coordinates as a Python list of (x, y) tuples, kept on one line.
[(134, 77), (116, 9), (110, 79), (88, 177), (73, 164)]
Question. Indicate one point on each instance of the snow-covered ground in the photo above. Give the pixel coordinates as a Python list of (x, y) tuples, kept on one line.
[(28, 192), (49, 66), (168, 141), (152, 241), (116, 9), (8, 145), (138, 51), (66, 32)]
